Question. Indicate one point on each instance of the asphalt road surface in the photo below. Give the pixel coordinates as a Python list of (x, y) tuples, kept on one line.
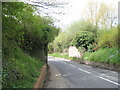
[(69, 74)]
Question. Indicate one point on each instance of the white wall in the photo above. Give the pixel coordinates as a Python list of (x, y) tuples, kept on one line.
[(73, 52)]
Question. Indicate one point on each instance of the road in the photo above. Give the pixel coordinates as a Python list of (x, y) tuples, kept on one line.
[(69, 74)]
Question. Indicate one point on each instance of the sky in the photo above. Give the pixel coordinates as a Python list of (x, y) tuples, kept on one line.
[(75, 11)]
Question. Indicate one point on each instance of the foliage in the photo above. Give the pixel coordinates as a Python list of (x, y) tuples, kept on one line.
[(107, 55), (42, 32), (81, 25), (72, 35), (97, 33), (101, 14), (108, 38), (83, 39), (61, 42), (86, 35), (22, 32), (23, 25), (19, 70)]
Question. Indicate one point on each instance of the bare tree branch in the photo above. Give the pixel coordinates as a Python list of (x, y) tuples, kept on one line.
[(48, 7)]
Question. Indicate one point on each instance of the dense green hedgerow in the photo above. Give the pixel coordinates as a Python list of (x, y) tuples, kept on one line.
[(21, 71), (23, 32)]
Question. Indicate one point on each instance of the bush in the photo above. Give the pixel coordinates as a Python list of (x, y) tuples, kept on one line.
[(108, 38), (83, 39), (80, 29), (25, 35), (107, 55)]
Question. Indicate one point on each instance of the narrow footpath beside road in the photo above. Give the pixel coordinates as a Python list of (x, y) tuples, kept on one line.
[(68, 74)]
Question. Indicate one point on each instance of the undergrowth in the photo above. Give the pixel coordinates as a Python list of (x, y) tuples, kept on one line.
[(107, 55), (21, 71)]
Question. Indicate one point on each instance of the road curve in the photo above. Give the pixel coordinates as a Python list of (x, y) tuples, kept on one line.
[(76, 75)]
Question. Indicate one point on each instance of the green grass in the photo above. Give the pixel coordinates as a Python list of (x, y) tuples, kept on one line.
[(107, 55), (62, 56), (21, 71)]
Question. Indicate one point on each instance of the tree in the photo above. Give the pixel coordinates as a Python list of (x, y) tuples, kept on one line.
[(100, 14), (92, 9), (83, 39), (26, 29), (47, 7), (79, 29)]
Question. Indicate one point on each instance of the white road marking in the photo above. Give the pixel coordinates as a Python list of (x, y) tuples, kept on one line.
[(63, 62), (91, 74), (58, 75), (66, 74), (109, 81), (62, 59), (53, 60), (101, 77), (85, 71), (71, 65)]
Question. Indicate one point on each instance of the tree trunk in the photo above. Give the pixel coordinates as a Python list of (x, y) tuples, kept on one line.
[(46, 53)]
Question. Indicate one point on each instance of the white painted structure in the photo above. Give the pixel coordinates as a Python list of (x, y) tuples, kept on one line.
[(73, 52)]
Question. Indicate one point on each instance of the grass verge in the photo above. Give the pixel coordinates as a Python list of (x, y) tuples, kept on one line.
[(105, 55), (63, 56)]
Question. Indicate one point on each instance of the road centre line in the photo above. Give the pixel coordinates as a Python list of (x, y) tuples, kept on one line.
[(101, 77), (66, 74), (94, 75), (109, 81), (71, 65), (63, 62), (85, 71)]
